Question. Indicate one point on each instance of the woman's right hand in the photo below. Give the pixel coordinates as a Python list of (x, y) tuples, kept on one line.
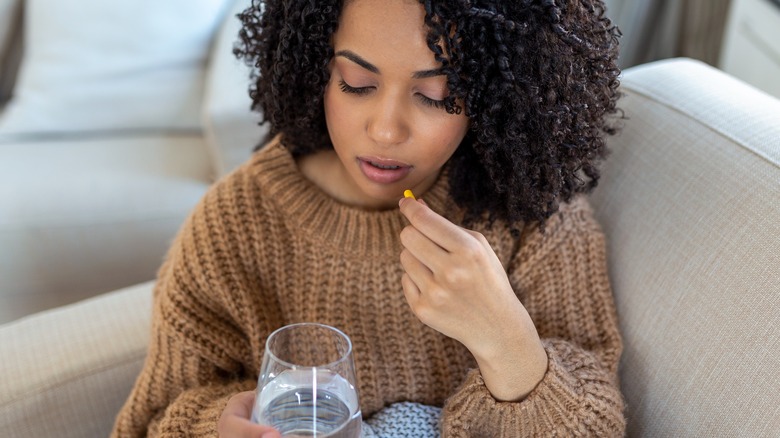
[(235, 419)]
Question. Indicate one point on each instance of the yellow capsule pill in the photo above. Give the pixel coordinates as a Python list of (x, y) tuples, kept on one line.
[(408, 194)]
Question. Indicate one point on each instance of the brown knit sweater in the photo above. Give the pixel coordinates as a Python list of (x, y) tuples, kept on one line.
[(265, 248)]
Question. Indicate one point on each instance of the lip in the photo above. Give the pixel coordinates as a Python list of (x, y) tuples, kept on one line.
[(383, 176)]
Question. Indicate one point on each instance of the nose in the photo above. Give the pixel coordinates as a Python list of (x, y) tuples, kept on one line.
[(387, 124)]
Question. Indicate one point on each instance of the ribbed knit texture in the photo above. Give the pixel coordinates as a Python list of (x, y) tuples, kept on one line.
[(265, 248)]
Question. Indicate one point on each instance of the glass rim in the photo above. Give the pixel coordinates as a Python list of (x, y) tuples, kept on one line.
[(340, 333)]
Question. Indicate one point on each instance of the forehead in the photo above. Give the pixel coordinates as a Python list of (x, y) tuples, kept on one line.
[(385, 31)]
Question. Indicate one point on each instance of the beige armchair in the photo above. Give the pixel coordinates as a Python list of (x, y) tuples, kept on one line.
[(690, 202)]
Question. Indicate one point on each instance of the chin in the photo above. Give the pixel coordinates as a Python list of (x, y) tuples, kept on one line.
[(382, 198)]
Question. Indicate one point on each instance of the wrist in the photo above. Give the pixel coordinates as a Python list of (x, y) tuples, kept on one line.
[(512, 374), (513, 361)]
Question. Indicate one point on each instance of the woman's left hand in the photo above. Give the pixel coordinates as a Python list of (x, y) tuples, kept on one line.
[(455, 283)]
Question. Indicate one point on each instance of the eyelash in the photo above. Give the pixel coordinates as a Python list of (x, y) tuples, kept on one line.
[(346, 88)]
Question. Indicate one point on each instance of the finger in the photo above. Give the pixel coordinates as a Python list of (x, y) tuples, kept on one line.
[(480, 238), (411, 291), (436, 227), (235, 419), (424, 249), (235, 427), (241, 404), (422, 201), (416, 270)]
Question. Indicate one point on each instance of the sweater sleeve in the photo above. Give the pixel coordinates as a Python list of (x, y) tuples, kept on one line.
[(561, 278), (197, 353), (180, 391)]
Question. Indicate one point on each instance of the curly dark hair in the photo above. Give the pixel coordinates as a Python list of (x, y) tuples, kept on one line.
[(537, 78)]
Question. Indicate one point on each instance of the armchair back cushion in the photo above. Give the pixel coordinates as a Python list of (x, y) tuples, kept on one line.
[(83, 217), (230, 127), (690, 202)]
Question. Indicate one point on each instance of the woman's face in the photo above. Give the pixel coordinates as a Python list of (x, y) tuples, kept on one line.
[(383, 103)]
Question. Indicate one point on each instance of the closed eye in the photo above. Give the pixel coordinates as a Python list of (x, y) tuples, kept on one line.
[(345, 87), (431, 102)]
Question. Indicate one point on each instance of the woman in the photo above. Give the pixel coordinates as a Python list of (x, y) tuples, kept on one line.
[(490, 298)]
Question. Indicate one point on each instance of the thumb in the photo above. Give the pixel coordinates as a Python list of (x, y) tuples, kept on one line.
[(235, 419)]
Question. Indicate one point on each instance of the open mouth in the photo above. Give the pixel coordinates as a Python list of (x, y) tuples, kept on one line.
[(383, 171), (382, 166)]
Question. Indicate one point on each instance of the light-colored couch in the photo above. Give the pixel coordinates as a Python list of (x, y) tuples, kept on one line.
[(121, 116), (690, 202)]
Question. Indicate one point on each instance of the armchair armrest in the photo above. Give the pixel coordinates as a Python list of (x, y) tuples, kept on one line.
[(689, 200), (67, 372)]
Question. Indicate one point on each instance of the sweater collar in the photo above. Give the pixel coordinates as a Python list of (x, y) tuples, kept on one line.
[(311, 211)]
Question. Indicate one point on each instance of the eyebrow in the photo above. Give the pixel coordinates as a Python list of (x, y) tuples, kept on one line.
[(354, 57)]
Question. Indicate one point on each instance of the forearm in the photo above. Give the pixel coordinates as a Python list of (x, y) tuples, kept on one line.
[(578, 396), (176, 365), (561, 280), (176, 386), (513, 364), (196, 412)]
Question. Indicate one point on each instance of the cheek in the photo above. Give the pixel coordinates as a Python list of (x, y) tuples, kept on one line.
[(338, 113), (449, 133)]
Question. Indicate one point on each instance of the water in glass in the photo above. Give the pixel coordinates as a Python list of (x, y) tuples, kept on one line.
[(310, 403)]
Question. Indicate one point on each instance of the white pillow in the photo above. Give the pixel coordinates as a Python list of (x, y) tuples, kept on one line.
[(98, 65)]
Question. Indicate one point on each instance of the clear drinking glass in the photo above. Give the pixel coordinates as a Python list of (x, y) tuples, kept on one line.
[(307, 385)]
